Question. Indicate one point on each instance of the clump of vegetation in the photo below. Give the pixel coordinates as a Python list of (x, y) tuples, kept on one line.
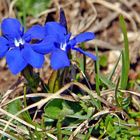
[(68, 106)]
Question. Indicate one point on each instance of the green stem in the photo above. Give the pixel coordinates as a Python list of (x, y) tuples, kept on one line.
[(24, 14), (59, 133), (26, 114), (97, 70), (84, 59), (27, 73), (116, 93), (31, 79), (25, 91), (97, 75), (87, 137)]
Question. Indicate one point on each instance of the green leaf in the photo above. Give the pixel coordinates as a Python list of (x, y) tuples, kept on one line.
[(82, 60), (135, 132), (134, 114), (125, 55), (111, 130), (57, 109), (14, 106), (54, 83), (33, 7), (131, 121), (103, 60), (53, 109)]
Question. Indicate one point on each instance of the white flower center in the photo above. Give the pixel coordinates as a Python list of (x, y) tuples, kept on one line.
[(63, 46), (19, 42)]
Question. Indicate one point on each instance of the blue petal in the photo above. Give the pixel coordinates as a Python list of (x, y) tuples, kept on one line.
[(67, 37), (55, 29), (11, 28), (85, 53), (35, 32), (46, 46), (3, 46), (15, 61), (72, 43), (33, 58), (59, 59), (84, 37), (63, 20)]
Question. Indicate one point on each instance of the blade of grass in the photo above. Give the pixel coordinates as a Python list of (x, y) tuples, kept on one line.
[(114, 69), (106, 81), (84, 76), (59, 133), (97, 79), (54, 83), (83, 60), (88, 135), (7, 135), (26, 115), (97, 68), (116, 93), (125, 55), (68, 133)]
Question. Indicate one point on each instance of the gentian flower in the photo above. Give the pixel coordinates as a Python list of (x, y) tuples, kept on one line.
[(60, 42), (16, 45)]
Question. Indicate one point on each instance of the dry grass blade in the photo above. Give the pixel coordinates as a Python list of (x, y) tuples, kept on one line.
[(93, 17), (129, 5), (11, 7), (54, 9), (101, 113), (91, 93), (104, 44), (27, 96), (77, 130), (7, 135), (131, 92), (18, 119), (12, 127), (14, 87), (45, 95), (118, 10), (91, 138), (104, 23)]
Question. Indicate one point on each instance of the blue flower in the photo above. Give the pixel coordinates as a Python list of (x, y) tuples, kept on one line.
[(17, 47), (61, 44)]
